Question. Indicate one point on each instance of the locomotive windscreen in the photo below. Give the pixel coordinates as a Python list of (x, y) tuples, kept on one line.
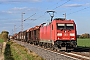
[(65, 26), (60, 26), (69, 26)]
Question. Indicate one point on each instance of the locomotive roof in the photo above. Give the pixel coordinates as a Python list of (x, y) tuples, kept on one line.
[(59, 19), (63, 20)]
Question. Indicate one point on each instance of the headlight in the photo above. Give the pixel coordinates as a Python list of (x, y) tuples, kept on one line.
[(59, 34), (72, 38), (72, 34)]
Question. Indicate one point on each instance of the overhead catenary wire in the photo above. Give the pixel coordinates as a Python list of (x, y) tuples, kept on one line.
[(47, 8), (34, 14), (29, 17), (62, 4), (78, 10), (53, 9)]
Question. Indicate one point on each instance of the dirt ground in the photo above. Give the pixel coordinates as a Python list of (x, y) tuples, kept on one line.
[(2, 53), (1, 57)]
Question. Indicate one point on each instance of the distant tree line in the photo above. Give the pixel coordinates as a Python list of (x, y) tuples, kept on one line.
[(85, 35)]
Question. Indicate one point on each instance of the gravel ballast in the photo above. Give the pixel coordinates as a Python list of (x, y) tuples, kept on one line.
[(46, 54)]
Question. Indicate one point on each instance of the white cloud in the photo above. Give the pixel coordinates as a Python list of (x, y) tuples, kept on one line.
[(8, 12), (73, 5), (19, 10), (24, 8), (87, 4), (77, 5), (4, 1)]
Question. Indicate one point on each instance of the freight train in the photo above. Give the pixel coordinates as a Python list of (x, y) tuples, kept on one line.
[(59, 33)]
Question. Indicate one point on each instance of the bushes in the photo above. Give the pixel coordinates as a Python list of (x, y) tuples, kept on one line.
[(4, 35), (86, 35), (1, 40)]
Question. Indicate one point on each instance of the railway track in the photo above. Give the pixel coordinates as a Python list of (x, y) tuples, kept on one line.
[(73, 55), (77, 56), (69, 55)]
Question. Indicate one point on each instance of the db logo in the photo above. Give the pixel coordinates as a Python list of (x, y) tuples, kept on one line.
[(65, 34)]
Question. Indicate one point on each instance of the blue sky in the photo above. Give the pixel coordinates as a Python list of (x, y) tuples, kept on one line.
[(11, 11)]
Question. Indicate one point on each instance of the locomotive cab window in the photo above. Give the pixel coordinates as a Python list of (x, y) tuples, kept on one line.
[(69, 26), (60, 26)]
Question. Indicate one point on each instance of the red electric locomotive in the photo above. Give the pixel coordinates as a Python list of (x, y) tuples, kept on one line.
[(60, 33)]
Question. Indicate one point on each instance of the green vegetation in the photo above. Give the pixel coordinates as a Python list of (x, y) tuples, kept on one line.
[(7, 53), (14, 51), (4, 35), (83, 36), (83, 42), (1, 40)]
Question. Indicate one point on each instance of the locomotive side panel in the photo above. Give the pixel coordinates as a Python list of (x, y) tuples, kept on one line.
[(48, 32), (45, 34)]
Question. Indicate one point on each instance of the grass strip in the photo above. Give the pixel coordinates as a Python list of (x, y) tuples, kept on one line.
[(83, 42), (1, 40), (15, 51)]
